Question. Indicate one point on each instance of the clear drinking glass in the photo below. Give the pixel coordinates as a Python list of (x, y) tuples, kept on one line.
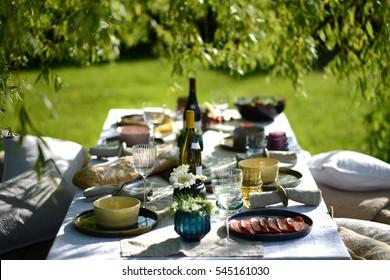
[(144, 156), (255, 143), (153, 116), (220, 100), (226, 184)]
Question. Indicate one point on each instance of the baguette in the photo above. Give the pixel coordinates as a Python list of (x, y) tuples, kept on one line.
[(123, 169)]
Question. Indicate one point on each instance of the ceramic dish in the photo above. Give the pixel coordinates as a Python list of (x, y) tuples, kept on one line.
[(85, 222), (271, 236), (287, 178), (135, 119), (227, 143), (259, 108)]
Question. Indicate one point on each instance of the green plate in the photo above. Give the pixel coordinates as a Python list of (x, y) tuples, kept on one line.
[(287, 178), (85, 222)]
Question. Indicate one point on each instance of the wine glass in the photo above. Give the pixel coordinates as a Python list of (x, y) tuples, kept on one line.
[(226, 183), (220, 100), (144, 156), (153, 117)]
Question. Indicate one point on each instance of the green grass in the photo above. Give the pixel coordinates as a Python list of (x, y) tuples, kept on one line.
[(325, 120)]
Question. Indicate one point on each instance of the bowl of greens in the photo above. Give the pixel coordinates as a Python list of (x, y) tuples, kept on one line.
[(259, 108)]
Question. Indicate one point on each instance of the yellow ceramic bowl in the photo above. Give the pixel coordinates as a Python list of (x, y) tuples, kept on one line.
[(116, 211), (269, 167)]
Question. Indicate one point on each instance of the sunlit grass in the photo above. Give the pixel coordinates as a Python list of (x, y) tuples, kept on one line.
[(324, 120)]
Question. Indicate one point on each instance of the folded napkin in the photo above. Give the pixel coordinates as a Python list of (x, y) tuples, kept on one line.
[(308, 197), (110, 150), (165, 242)]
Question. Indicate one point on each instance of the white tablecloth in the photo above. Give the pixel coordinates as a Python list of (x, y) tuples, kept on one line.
[(323, 242)]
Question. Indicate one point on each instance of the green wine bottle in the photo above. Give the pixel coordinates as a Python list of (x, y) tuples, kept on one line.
[(192, 104), (190, 152)]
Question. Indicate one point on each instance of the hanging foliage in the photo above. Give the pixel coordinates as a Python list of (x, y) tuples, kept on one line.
[(284, 38)]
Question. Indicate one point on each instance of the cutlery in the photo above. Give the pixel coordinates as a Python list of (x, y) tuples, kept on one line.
[(118, 189)]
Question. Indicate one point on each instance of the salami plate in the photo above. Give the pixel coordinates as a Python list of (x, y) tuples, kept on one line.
[(277, 231)]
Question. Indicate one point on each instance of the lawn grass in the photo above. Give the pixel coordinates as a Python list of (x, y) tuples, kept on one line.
[(324, 120)]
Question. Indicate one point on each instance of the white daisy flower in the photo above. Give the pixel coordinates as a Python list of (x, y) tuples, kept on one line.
[(180, 178), (183, 167)]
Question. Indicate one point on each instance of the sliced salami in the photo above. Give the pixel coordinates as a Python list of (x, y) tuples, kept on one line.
[(273, 225), (235, 225), (256, 225), (246, 226), (297, 223), (283, 225), (255, 222), (264, 224)]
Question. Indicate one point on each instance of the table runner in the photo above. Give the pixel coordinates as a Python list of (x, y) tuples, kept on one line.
[(165, 242)]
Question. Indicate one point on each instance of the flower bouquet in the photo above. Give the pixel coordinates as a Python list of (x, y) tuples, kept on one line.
[(184, 182)]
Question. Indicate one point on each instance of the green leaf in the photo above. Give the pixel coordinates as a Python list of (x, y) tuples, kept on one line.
[(369, 29)]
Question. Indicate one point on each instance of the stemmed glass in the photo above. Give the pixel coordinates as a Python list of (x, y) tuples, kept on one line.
[(144, 156), (153, 117), (226, 183), (220, 100)]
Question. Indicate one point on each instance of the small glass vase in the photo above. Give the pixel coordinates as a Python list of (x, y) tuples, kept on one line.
[(192, 226), (197, 189)]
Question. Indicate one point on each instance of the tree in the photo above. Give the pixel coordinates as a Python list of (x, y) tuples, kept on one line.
[(285, 38)]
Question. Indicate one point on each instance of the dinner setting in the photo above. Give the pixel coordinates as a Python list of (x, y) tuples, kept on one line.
[(194, 138), (174, 183)]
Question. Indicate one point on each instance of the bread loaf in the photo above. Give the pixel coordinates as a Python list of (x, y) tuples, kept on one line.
[(123, 169)]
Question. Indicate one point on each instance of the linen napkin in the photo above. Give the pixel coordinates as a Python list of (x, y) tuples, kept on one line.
[(263, 199), (165, 242)]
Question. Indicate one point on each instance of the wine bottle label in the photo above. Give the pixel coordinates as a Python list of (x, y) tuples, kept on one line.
[(198, 124), (199, 170), (195, 146)]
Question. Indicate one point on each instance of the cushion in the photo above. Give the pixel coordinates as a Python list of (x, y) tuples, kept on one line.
[(377, 231), (350, 171), (364, 205), (363, 247), (1, 164), (32, 209), (20, 157)]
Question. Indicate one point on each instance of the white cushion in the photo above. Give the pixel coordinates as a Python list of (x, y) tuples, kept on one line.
[(20, 157), (350, 171), (362, 247), (370, 229), (32, 210)]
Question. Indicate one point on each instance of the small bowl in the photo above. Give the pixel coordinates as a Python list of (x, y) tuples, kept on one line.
[(134, 134), (116, 211), (240, 134), (269, 168), (258, 109), (277, 140)]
